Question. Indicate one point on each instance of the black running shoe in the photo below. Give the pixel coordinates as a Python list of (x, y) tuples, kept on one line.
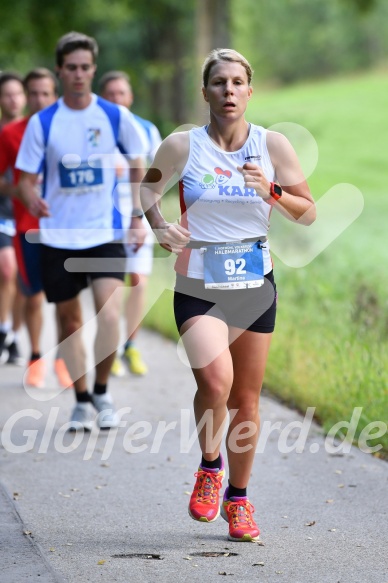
[(3, 349), (14, 355)]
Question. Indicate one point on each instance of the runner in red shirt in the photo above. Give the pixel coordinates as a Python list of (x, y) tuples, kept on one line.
[(12, 103), (41, 90)]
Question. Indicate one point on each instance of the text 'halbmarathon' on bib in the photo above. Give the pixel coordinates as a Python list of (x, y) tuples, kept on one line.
[(233, 265)]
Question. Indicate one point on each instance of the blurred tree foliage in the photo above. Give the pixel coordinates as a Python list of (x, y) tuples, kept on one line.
[(290, 40), (161, 43)]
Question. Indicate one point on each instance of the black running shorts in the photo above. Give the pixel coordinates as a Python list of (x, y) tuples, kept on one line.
[(65, 272), (251, 309)]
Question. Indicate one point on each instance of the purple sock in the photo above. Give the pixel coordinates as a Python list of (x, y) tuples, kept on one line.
[(233, 492), (214, 465)]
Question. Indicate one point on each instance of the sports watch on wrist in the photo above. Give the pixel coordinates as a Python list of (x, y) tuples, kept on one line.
[(275, 192), (137, 213)]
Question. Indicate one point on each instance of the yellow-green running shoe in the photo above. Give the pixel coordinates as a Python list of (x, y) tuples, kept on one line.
[(135, 362), (117, 368)]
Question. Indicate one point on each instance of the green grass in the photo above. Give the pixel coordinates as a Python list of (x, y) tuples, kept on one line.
[(330, 348)]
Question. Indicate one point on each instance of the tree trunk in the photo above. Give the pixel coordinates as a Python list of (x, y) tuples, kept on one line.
[(213, 32)]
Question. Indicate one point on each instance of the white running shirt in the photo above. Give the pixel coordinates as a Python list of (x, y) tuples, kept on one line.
[(215, 204), (76, 151)]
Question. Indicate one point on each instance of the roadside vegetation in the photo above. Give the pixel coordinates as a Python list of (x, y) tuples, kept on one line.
[(330, 347)]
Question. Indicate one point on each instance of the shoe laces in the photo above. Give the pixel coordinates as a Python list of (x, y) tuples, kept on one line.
[(241, 513), (207, 485)]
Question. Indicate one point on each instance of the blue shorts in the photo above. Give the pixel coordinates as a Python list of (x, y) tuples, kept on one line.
[(5, 240), (28, 257)]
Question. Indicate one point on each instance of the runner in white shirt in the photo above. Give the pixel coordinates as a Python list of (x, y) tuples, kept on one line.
[(115, 86), (73, 142), (232, 174)]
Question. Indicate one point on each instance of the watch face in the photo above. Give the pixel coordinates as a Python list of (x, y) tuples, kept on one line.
[(277, 189)]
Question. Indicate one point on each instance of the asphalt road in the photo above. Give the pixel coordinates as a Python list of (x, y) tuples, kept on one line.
[(113, 507)]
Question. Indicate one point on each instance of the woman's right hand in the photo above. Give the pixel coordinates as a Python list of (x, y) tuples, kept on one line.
[(172, 237)]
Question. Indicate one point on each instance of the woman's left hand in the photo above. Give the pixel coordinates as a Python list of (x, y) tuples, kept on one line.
[(254, 178)]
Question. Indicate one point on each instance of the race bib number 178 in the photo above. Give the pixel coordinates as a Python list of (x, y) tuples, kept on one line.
[(80, 179)]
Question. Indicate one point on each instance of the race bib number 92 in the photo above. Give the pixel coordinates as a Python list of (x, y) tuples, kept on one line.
[(233, 266)]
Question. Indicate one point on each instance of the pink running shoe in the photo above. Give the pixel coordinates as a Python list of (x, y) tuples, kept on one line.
[(205, 500), (238, 513)]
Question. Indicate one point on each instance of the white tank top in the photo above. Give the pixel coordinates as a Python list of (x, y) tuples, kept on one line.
[(215, 204)]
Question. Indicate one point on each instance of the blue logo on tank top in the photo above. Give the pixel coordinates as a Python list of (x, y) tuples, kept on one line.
[(231, 190), (209, 181)]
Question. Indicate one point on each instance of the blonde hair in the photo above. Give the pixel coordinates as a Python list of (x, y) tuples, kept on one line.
[(218, 55)]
